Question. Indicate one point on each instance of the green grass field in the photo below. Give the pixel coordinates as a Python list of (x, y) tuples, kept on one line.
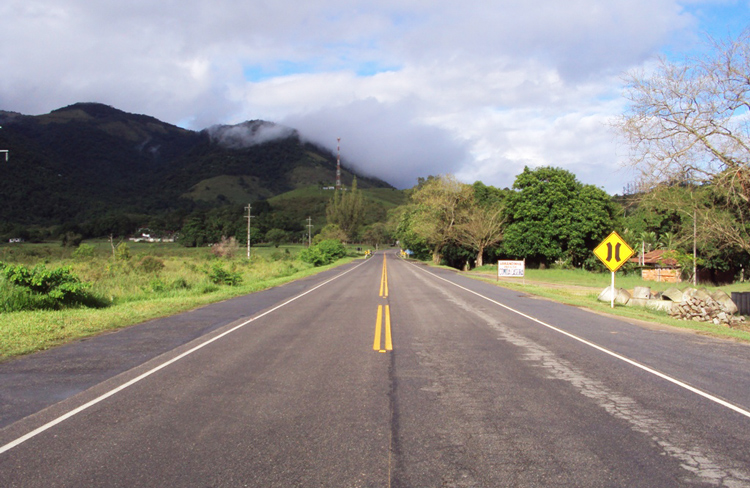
[(132, 292)]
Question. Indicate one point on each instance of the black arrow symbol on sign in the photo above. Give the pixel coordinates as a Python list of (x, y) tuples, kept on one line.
[(617, 252)]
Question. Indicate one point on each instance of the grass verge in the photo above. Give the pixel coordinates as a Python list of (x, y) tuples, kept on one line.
[(581, 289), (26, 332)]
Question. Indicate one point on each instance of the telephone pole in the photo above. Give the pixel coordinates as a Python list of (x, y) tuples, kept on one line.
[(4, 151), (338, 163), (249, 218), (309, 231)]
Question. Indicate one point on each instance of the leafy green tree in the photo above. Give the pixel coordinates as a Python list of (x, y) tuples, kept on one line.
[(440, 205), (330, 232), (377, 234), (553, 216), (277, 236), (347, 210)]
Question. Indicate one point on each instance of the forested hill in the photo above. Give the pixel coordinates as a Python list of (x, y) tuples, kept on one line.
[(87, 161)]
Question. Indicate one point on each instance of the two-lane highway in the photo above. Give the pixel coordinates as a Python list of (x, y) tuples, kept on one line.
[(388, 373)]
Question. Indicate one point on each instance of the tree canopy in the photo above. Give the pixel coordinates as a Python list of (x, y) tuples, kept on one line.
[(552, 216)]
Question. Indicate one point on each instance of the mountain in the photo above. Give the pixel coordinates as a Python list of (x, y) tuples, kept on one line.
[(88, 160)]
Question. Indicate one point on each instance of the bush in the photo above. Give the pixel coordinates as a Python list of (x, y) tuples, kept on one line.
[(46, 288), (324, 252), (122, 252), (220, 276), (151, 264), (84, 252)]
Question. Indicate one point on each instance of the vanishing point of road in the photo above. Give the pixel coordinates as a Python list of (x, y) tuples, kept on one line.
[(380, 373)]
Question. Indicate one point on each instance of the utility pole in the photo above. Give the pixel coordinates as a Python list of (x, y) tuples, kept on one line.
[(249, 218), (4, 151), (338, 164), (309, 231)]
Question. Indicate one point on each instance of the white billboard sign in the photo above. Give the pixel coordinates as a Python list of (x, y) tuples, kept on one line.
[(514, 269)]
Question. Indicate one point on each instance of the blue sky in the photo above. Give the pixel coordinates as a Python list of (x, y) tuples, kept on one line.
[(478, 89)]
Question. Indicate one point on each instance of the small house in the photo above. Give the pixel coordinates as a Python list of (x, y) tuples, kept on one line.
[(656, 267)]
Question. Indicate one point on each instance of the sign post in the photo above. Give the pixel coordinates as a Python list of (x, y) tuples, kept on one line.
[(613, 252), (512, 268)]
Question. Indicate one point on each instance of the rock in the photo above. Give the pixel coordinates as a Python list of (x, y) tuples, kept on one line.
[(673, 294), (700, 294)]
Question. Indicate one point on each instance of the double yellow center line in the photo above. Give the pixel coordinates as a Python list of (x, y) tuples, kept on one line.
[(383, 319)]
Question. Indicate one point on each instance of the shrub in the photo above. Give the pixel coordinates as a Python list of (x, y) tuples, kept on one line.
[(324, 252), (151, 264), (122, 252), (220, 276), (84, 252), (54, 288)]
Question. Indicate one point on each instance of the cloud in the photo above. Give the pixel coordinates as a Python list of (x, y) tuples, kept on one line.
[(381, 139), (413, 87), (248, 133)]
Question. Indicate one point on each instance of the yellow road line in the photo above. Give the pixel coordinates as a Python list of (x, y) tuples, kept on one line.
[(376, 342), (379, 320), (388, 340), (384, 280)]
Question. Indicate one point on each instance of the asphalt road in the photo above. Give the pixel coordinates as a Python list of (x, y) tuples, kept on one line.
[(381, 373)]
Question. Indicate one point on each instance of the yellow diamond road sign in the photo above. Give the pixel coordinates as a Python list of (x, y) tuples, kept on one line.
[(613, 252)]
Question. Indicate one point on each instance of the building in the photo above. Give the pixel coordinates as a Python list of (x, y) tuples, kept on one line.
[(656, 267)]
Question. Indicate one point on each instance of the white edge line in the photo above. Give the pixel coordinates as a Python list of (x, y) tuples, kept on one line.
[(677, 382), (103, 397)]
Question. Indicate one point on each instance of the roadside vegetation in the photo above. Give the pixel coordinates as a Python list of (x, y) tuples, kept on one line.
[(581, 288), (50, 294)]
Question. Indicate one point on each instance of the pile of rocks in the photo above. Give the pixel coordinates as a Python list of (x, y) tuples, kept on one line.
[(700, 306), (692, 304)]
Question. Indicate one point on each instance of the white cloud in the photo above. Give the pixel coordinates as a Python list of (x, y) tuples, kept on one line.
[(479, 88)]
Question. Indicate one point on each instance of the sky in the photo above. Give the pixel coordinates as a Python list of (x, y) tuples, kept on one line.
[(479, 89)]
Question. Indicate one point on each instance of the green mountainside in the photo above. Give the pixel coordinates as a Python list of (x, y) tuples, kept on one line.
[(91, 161)]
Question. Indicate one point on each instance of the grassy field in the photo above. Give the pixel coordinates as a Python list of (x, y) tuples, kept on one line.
[(131, 291), (581, 288)]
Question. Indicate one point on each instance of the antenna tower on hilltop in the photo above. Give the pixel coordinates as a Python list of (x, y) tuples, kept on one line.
[(338, 163)]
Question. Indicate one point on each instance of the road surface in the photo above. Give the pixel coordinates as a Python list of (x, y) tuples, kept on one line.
[(381, 373)]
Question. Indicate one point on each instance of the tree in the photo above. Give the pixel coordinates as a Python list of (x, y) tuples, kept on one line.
[(440, 206), (277, 236), (552, 216), (687, 125), (347, 210), (482, 228), (377, 234), (483, 224)]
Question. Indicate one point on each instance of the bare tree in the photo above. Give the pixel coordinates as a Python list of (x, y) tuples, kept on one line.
[(690, 119), (481, 228), (688, 125)]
